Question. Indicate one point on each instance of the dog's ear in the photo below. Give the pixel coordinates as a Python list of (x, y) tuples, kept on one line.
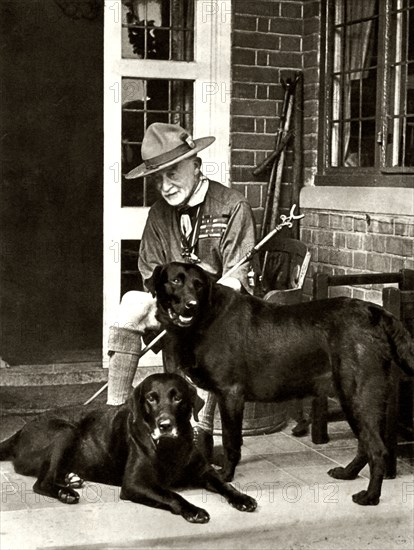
[(196, 402), (136, 403), (153, 282)]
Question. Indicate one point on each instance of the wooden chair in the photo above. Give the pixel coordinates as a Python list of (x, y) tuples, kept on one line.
[(285, 264)]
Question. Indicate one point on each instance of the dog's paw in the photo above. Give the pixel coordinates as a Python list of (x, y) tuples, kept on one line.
[(73, 480), (341, 473), (243, 503), (364, 499), (68, 496), (193, 514)]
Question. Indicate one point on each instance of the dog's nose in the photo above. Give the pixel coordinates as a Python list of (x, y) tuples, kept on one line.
[(165, 425), (191, 304)]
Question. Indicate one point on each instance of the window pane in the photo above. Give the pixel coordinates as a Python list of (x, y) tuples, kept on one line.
[(158, 29), (400, 147), (354, 83), (145, 102)]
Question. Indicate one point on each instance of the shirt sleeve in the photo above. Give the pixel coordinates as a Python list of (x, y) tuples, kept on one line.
[(151, 251), (238, 240)]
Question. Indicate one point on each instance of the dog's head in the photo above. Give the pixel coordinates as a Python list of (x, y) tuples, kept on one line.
[(165, 403), (182, 291)]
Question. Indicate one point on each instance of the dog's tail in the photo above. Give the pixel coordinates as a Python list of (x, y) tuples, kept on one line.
[(8, 445), (401, 342)]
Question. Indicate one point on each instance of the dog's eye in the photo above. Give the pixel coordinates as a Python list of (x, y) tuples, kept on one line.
[(176, 281), (177, 398), (151, 398)]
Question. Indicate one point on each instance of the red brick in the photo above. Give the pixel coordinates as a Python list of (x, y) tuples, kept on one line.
[(353, 241), (276, 92), (397, 263), (339, 240), (360, 225), (262, 91), (323, 220), (242, 174), (358, 293), (403, 228), (245, 91), (310, 42), (254, 194), (399, 246), (254, 108), (374, 296), (243, 57), (259, 127), (272, 125), (256, 74), (262, 41), (340, 257), (253, 141), (262, 58), (348, 223), (311, 26), (285, 59), (340, 291), (244, 23), (311, 75), (380, 226), (324, 238), (257, 7), (263, 25), (241, 158), (335, 221), (282, 25), (291, 43), (242, 124), (311, 9), (377, 262), (310, 125), (291, 9), (360, 260), (311, 91)]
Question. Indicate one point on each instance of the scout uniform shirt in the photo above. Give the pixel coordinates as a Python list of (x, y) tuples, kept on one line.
[(223, 231)]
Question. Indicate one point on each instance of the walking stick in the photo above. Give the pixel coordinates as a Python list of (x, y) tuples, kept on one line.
[(286, 221)]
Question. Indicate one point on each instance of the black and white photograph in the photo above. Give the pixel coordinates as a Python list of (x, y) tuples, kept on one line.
[(207, 274)]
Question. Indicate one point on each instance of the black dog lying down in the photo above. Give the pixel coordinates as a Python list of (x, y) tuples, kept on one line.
[(245, 349), (145, 446)]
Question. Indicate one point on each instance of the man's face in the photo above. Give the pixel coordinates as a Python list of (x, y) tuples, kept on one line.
[(176, 183)]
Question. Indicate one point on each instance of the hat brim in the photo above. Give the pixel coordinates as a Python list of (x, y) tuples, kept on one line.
[(141, 170)]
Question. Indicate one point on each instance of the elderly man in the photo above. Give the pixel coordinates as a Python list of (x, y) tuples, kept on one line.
[(195, 220)]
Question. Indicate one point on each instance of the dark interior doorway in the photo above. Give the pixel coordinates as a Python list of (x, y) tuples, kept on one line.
[(51, 110)]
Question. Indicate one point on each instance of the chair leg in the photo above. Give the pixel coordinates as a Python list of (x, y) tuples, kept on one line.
[(319, 430)]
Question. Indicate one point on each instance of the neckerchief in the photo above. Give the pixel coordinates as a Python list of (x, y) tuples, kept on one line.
[(189, 220)]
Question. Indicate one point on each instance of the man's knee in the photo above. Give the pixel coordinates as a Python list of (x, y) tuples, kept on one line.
[(137, 312)]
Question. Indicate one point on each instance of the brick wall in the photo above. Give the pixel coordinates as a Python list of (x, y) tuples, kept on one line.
[(272, 40), (341, 243), (266, 47)]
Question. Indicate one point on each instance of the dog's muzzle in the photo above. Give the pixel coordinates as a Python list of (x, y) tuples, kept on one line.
[(183, 319), (164, 428)]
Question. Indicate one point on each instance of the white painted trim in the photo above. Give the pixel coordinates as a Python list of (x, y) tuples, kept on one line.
[(211, 74), (375, 200)]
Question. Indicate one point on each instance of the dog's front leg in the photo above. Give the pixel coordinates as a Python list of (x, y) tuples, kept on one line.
[(141, 485), (231, 406)]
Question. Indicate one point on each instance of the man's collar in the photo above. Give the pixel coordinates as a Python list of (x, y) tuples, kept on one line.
[(199, 193)]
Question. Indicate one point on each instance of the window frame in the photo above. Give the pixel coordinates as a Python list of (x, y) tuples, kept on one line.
[(377, 176)]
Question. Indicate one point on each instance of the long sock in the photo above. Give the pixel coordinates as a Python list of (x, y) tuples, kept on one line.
[(124, 348), (206, 414)]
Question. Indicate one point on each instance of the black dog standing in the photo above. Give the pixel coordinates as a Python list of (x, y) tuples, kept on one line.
[(145, 446), (245, 349)]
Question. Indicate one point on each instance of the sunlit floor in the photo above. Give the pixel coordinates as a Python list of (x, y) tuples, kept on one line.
[(300, 506)]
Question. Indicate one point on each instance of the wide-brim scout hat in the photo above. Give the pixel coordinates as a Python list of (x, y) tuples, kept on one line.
[(164, 145)]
